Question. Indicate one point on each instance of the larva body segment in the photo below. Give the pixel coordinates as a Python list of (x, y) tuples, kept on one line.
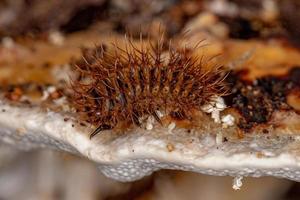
[(126, 85)]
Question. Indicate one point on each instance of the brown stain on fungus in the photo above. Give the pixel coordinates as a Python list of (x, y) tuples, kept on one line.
[(14, 94), (258, 99), (128, 84)]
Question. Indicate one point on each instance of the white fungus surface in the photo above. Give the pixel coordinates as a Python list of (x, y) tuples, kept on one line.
[(31, 128)]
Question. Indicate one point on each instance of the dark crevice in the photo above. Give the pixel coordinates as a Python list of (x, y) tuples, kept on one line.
[(84, 18), (240, 28)]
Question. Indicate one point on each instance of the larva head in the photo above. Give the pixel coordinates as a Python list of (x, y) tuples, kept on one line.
[(127, 85)]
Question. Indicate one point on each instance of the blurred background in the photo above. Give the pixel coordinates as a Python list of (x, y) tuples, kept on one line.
[(243, 19), (43, 174)]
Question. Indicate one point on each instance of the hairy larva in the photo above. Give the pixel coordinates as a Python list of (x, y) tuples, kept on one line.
[(124, 85)]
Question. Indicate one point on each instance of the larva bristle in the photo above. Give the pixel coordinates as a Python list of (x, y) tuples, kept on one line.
[(116, 85)]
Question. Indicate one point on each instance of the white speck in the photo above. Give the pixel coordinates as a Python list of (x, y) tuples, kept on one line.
[(56, 38), (8, 42), (227, 120), (60, 101), (159, 114), (208, 108), (24, 98), (219, 138), (45, 95), (214, 107), (149, 123), (223, 7), (47, 92), (149, 126), (67, 108), (237, 183), (297, 138), (268, 153), (220, 104), (216, 116), (171, 126), (51, 89)]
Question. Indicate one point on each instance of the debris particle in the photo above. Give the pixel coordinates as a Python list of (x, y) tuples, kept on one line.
[(48, 92), (237, 183), (15, 94), (265, 131), (219, 103), (208, 108), (82, 124), (61, 101), (66, 119), (56, 38), (268, 153), (170, 147), (214, 107), (297, 138), (227, 120), (21, 130), (149, 124), (159, 114), (216, 116), (259, 154), (171, 126)]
